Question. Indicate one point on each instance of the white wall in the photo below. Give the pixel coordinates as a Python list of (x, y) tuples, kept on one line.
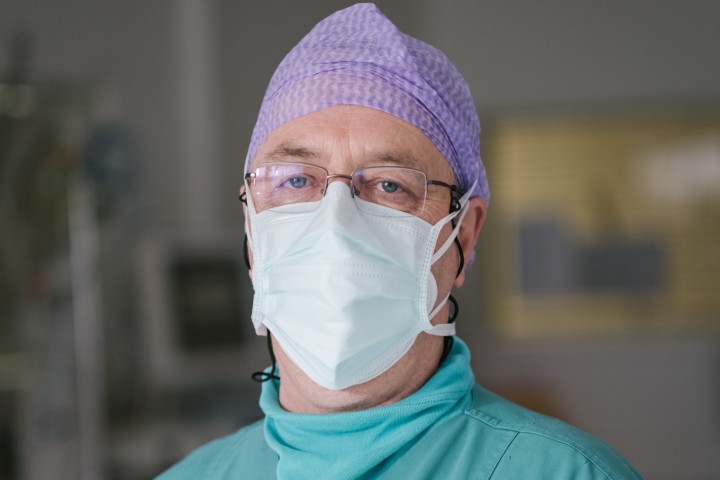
[(572, 53)]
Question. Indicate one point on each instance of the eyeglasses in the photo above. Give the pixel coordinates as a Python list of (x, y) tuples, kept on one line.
[(402, 189)]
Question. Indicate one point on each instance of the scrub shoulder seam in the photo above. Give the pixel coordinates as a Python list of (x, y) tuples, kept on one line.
[(530, 428)]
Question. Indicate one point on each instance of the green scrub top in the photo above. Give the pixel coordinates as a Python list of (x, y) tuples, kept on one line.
[(450, 429)]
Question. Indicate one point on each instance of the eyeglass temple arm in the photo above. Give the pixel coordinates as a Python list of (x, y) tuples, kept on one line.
[(243, 195), (455, 194)]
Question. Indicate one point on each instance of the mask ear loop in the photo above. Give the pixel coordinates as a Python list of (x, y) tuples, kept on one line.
[(246, 256), (260, 376), (449, 340)]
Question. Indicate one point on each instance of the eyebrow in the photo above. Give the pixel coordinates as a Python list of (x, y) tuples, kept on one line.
[(288, 149), (400, 158)]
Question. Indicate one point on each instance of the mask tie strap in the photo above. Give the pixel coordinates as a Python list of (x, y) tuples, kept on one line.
[(449, 340), (460, 214), (448, 330), (441, 329), (453, 235), (247, 200)]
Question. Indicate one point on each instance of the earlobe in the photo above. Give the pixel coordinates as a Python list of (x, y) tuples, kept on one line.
[(460, 280), (470, 231)]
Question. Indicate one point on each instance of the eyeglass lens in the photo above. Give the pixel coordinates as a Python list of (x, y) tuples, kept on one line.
[(277, 184)]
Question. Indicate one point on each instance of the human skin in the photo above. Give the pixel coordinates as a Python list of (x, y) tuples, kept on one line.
[(341, 139)]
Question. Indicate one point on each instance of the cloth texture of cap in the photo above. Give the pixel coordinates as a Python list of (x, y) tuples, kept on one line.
[(356, 56)]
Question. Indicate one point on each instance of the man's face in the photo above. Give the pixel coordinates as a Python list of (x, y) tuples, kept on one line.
[(342, 139)]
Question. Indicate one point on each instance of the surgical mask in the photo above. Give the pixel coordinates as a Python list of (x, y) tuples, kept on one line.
[(345, 285)]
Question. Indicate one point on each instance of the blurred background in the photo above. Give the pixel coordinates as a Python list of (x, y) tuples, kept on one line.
[(125, 338)]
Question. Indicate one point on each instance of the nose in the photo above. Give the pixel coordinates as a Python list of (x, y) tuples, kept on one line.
[(339, 176)]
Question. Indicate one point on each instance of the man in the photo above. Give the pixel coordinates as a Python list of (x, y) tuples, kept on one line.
[(365, 196)]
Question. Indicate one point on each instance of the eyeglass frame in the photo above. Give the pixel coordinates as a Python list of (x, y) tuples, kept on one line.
[(455, 192)]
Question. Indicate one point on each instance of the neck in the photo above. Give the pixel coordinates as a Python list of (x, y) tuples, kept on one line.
[(299, 394)]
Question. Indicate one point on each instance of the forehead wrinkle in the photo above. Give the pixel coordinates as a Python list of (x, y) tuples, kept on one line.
[(295, 151)]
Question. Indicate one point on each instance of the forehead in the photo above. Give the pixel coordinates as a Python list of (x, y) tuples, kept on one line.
[(345, 137)]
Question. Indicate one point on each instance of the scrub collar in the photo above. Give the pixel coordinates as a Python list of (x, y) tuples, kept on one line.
[(355, 444)]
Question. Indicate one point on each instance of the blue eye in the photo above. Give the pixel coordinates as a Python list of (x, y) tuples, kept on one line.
[(389, 187), (297, 182)]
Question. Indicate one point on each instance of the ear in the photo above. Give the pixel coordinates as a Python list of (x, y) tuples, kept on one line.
[(469, 232)]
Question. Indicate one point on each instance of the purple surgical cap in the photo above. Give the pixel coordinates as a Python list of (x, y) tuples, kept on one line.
[(358, 57)]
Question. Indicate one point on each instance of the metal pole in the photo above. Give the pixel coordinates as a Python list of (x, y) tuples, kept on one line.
[(87, 327)]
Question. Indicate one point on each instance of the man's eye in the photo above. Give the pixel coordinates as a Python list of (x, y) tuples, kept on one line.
[(297, 182), (389, 187)]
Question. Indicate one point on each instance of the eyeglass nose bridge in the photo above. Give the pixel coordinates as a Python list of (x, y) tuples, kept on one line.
[(338, 175)]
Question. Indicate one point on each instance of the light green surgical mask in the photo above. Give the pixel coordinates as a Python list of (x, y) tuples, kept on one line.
[(345, 285)]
